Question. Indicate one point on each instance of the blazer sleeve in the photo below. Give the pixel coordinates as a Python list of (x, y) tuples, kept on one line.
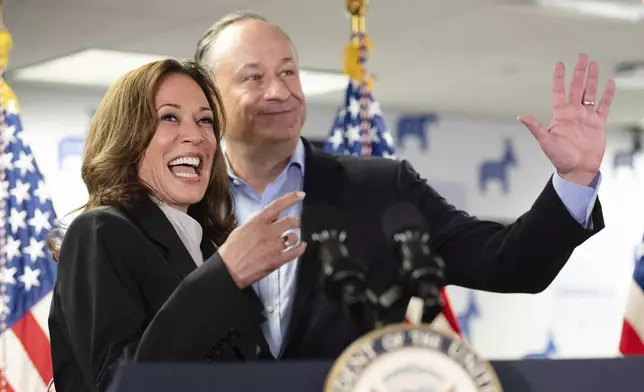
[(98, 303), (523, 257)]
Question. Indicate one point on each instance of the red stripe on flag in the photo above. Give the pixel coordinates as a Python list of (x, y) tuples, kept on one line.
[(631, 343), (7, 385), (36, 345), (449, 313)]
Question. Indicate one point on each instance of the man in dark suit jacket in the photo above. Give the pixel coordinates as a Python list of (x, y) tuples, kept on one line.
[(256, 68)]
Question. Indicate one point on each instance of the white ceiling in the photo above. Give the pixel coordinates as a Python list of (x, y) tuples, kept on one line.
[(490, 58)]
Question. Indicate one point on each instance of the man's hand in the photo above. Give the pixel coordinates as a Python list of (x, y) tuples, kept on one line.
[(257, 248), (575, 141)]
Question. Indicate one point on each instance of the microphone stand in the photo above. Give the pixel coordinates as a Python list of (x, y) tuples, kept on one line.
[(422, 272), (344, 281)]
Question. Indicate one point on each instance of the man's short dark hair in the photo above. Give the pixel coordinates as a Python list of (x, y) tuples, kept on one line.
[(208, 39)]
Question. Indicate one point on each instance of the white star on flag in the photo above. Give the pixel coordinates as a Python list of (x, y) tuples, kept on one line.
[(374, 109), (21, 191), (9, 134), (338, 138), (13, 248), (25, 163), (353, 134), (41, 192), (388, 139), (6, 161), (354, 107), (30, 278), (373, 134), (4, 190), (35, 249), (17, 220), (7, 275), (40, 221)]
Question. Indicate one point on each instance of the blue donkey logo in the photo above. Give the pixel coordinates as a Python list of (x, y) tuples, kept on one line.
[(471, 312), (415, 126), (498, 170), (549, 351)]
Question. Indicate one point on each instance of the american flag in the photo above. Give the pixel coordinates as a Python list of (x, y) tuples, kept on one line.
[(27, 271), (360, 129), (632, 342)]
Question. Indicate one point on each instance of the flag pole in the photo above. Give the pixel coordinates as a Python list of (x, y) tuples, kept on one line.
[(5, 48), (356, 58)]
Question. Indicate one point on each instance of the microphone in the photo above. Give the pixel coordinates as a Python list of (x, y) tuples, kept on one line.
[(421, 272), (343, 280)]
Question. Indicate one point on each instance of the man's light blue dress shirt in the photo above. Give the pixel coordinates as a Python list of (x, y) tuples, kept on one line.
[(277, 290)]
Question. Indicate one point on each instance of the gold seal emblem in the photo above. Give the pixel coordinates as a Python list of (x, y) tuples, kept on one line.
[(410, 358)]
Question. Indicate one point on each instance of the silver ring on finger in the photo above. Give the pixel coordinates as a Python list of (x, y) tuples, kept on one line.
[(588, 103), (285, 241)]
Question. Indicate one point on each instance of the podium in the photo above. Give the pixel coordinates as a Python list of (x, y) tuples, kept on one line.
[(536, 375)]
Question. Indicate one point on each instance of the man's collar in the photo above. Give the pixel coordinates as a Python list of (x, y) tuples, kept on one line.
[(298, 156), (296, 159)]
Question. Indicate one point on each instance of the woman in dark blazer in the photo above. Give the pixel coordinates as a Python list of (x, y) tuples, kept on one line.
[(151, 269)]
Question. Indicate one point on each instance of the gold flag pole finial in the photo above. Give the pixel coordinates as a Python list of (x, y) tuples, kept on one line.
[(360, 46), (357, 9), (355, 61)]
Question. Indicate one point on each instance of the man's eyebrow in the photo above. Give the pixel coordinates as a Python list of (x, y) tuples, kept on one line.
[(254, 65)]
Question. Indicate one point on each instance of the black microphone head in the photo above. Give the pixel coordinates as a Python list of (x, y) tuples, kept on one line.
[(402, 217), (422, 272), (338, 270), (325, 220)]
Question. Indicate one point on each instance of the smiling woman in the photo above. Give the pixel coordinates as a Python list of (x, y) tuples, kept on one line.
[(152, 270), (178, 162), (160, 112)]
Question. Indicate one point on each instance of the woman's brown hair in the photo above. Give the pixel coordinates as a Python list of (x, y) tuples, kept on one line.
[(119, 134)]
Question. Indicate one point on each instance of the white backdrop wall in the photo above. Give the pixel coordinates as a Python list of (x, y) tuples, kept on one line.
[(579, 315)]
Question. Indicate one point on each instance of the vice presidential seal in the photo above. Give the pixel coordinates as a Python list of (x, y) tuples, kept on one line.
[(410, 358)]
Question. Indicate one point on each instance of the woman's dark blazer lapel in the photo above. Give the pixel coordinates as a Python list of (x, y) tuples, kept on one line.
[(158, 229)]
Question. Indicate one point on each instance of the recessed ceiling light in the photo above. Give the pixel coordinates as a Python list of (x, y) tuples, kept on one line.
[(627, 10), (101, 68)]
